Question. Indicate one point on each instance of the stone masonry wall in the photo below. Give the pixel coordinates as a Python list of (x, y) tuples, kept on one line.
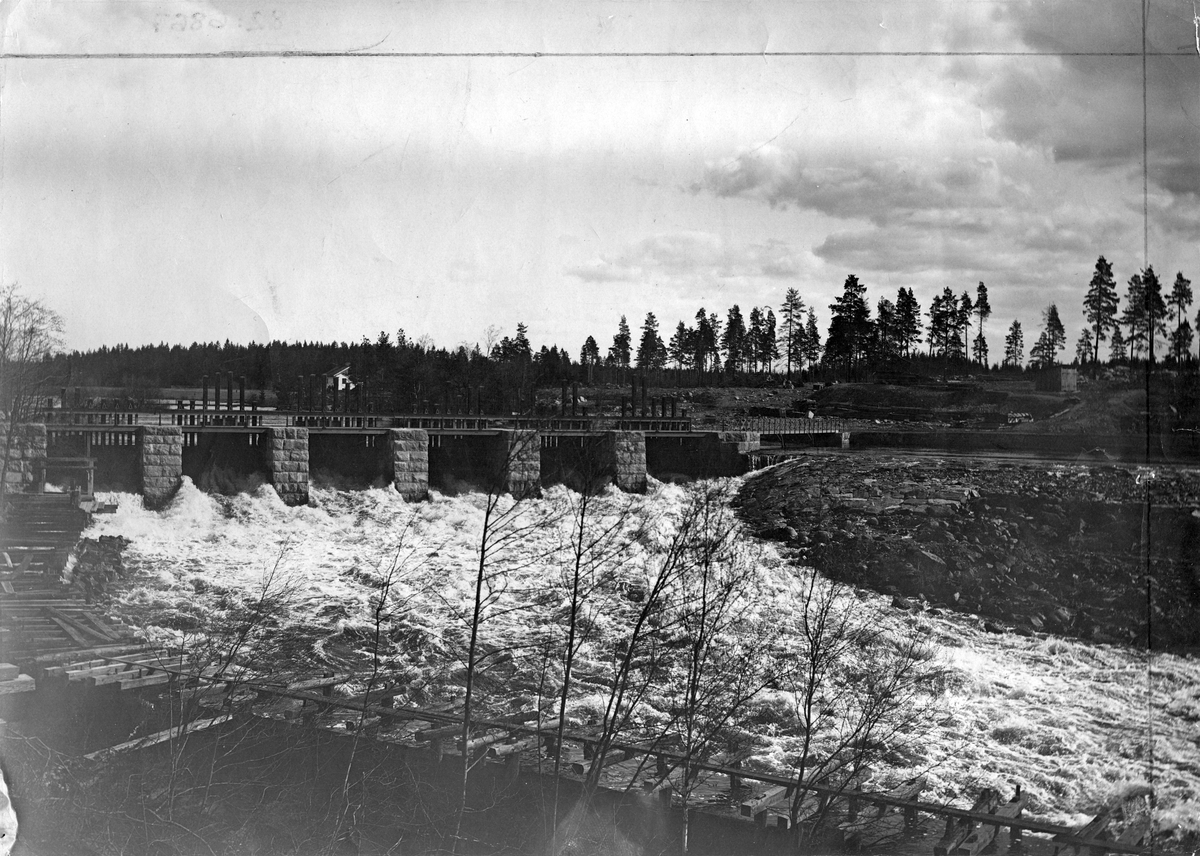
[(746, 441), (287, 463), (28, 446), (408, 462), (161, 463), (626, 453), (517, 455)]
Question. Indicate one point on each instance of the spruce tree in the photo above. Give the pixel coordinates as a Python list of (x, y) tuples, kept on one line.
[(619, 353), (650, 344), (1014, 345)]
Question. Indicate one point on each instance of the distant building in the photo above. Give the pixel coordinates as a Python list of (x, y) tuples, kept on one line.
[(339, 379), (1057, 379)]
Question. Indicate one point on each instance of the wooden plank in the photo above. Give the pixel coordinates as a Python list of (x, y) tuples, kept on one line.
[(1135, 832), (116, 672), (55, 673), (90, 633), (321, 683), (147, 681), (504, 749), (957, 829), (772, 798), (880, 821), (1091, 830), (102, 678), (430, 734), (983, 835), (611, 757), (7, 587), (22, 684), (115, 650), (102, 626), (78, 638), (477, 743), (158, 737)]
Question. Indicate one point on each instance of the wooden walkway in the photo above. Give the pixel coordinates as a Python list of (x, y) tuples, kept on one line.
[(528, 740), (46, 607)]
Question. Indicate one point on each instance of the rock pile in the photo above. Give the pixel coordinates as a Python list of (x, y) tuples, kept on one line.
[(1030, 548), (97, 563)]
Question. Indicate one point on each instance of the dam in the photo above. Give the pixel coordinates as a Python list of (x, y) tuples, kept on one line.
[(151, 451)]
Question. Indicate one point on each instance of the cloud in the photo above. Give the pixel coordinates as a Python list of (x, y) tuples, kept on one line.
[(684, 257), (1088, 109), (1012, 242), (880, 191)]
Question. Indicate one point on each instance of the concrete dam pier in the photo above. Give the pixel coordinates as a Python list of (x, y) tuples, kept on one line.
[(151, 452)]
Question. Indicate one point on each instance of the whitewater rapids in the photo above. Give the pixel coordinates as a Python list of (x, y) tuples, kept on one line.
[(1076, 724)]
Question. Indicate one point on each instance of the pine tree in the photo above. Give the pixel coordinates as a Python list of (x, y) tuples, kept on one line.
[(734, 339), (1056, 335), (963, 324), (943, 322), (754, 337), (983, 311), (680, 348), (768, 348), (1014, 345), (1181, 342), (812, 338), (792, 313), (1100, 304), (1134, 315), (908, 320), (1116, 351), (850, 328), (887, 329), (1181, 299), (1084, 347), (590, 354), (979, 349), (522, 350), (1155, 315)]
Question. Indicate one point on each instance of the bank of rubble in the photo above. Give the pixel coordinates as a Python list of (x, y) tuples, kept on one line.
[(1101, 553)]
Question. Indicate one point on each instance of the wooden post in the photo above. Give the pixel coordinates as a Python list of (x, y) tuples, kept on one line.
[(643, 396), (242, 392), (562, 407), (217, 391), (575, 398), (312, 392), (674, 401)]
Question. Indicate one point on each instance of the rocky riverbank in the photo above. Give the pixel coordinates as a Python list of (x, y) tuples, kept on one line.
[(1102, 553)]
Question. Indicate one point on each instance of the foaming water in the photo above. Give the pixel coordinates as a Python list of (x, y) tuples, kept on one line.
[(1072, 723)]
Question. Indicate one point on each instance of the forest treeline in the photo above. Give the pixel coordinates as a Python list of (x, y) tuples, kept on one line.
[(893, 338)]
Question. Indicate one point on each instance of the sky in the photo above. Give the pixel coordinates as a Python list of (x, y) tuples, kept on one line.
[(195, 171)]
